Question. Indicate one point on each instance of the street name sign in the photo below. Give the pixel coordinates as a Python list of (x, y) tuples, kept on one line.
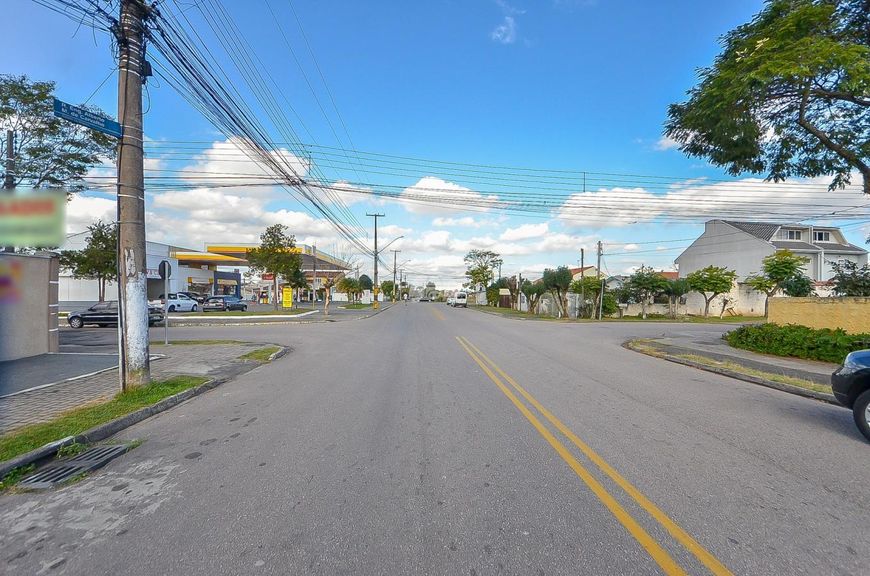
[(86, 118)]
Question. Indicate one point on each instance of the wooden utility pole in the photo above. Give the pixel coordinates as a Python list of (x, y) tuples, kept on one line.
[(9, 177), (132, 278), (582, 281), (394, 273), (375, 287)]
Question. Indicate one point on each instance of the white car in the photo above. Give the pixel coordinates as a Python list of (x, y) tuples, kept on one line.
[(177, 303), (450, 300), (460, 300)]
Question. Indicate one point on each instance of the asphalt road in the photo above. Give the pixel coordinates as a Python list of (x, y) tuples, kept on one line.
[(432, 440)]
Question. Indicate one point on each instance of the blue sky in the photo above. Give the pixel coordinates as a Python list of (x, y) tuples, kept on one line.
[(578, 85)]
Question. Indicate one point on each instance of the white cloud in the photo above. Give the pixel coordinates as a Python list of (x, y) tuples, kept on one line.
[(82, 211), (630, 247), (432, 195), (699, 200), (466, 221), (506, 32), (666, 143), (525, 232)]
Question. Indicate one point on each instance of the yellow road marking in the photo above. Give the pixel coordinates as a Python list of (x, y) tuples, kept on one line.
[(692, 545), (656, 552), (437, 313)]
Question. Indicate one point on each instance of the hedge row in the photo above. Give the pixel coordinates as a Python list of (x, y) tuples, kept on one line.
[(797, 341)]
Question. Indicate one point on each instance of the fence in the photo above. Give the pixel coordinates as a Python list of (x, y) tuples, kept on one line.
[(850, 314)]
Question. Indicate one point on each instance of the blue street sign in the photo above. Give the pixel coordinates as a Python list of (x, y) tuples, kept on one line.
[(86, 118)]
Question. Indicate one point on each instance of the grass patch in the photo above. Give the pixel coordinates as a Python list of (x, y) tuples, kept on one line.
[(195, 342), (260, 354), (642, 345), (15, 476), (772, 376), (356, 306), (79, 420), (71, 450)]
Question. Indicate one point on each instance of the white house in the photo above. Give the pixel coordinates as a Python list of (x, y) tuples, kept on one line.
[(741, 246)]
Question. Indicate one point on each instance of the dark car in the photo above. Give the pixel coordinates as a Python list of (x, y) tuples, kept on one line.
[(106, 314), (851, 386), (223, 304)]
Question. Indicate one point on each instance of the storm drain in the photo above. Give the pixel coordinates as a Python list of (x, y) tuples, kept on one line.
[(64, 470)]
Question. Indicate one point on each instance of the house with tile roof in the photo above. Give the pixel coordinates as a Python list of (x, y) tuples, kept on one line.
[(741, 246)]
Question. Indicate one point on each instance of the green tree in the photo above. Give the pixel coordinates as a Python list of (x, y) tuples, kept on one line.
[(849, 280), (711, 281), (276, 255), (558, 282), (533, 292), (479, 267), (328, 284), (777, 269), (49, 152), (388, 289), (647, 283), (349, 286), (98, 260), (788, 96), (799, 286), (365, 283), (674, 290), (589, 288)]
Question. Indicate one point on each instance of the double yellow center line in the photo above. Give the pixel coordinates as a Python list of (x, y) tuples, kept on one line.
[(653, 548)]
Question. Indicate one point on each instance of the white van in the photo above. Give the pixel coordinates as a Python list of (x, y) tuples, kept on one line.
[(461, 299)]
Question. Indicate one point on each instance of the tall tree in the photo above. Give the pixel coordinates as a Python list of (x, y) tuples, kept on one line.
[(365, 283), (349, 286), (479, 267), (49, 152), (788, 96), (849, 280), (710, 282), (533, 292), (275, 255), (388, 289), (777, 269), (98, 260), (558, 282), (675, 289), (647, 283)]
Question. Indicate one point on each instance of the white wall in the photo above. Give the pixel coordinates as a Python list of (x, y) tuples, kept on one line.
[(725, 246)]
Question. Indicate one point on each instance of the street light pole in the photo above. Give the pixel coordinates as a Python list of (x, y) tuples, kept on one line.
[(394, 273)]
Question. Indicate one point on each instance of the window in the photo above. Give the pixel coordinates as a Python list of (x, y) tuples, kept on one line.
[(792, 234), (822, 236)]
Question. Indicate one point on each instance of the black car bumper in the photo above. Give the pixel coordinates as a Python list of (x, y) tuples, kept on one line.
[(847, 384)]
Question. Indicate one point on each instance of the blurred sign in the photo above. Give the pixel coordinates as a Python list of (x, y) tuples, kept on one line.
[(33, 220), (86, 118), (164, 270), (10, 281), (287, 297), (267, 276)]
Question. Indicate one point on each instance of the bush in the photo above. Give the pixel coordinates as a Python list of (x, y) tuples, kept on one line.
[(797, 341)]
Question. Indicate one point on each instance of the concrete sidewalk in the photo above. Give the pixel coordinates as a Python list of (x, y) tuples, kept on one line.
[(718, 349), (42, 404)]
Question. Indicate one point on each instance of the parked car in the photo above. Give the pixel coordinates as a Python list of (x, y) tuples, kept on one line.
[(424, 299), (851, 386), (106, 314), (177, 303), (450, 300), (195, 296), (223, 304), (460, 300)]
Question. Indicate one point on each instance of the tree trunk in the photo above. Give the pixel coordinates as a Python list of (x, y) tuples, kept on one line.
[(643, 305), (326, 302), (707, 305)]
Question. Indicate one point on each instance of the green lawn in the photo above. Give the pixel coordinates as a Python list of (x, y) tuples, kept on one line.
[(657, 318), (260, 354), (79, 420), (356, 306)]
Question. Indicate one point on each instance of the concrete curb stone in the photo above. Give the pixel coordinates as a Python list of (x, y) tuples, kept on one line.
[(821, 396)]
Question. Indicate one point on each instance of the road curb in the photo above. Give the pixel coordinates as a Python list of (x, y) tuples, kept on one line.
[(187, 321), (112, 427), (820, 396)]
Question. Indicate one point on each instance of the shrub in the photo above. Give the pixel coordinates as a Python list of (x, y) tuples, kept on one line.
[(797, 341)]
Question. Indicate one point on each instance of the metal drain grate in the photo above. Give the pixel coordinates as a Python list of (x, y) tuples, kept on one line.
[(61, 471)]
